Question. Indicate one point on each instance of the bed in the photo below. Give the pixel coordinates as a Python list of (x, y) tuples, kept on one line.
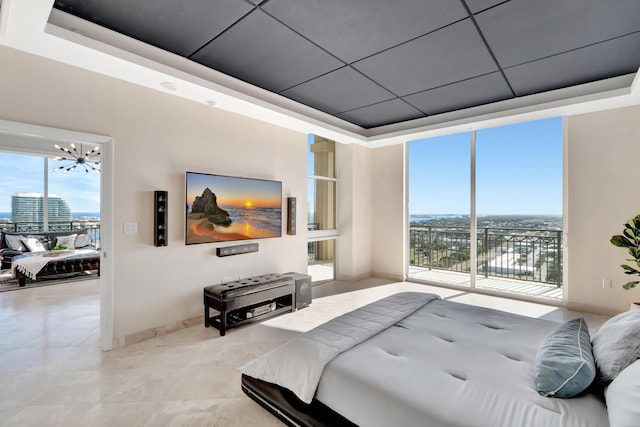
[(414, 359)]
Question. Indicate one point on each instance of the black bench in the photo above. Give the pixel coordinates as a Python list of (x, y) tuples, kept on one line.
[(248, 300)]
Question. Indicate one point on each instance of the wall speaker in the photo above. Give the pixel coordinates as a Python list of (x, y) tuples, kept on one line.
[(303, 289), (160, 208), (291, 216), (237, 249)]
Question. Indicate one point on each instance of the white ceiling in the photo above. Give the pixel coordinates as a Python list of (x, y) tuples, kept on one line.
[(31, 26)]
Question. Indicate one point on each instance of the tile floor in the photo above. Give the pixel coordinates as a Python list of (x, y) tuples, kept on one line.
[(52, 372)]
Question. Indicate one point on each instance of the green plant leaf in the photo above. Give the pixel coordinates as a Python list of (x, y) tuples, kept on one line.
[(629, 234), (629, 270), (630, 285), (636, 221), (622, 242), (635, 253)]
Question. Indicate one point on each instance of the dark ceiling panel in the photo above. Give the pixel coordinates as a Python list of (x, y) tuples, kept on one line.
[(478, 91), (355, 29), (180, 27), (261, 51), (383, 113), (427, 51), (341, 90), (452, 54), (476, 6), (523, 30), (609, 59)]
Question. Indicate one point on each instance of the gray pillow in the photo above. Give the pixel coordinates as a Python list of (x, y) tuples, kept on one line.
[(564, 362), (622, 397), (15, 242), (616, 345)]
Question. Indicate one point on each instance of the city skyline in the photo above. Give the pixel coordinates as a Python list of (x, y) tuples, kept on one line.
[(518, 171), (79, 189)]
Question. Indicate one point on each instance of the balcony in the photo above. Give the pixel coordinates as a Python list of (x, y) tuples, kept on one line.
[(93, 228), (516, 260)]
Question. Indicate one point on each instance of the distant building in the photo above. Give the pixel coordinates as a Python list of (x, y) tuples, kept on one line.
[(29, 208)]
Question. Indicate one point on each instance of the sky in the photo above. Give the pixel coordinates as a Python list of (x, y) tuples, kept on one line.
[(233, 191), (518, 171), (25, 173)]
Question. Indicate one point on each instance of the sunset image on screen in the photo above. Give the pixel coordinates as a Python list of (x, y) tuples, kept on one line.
[(223, 208)]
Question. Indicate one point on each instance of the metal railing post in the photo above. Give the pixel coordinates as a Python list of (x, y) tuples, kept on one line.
[(558, 258), (486, 252), (430, 248)]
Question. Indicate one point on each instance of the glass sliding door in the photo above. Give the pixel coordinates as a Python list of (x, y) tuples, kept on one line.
[(485, 209), (519, 208), (439, 209)]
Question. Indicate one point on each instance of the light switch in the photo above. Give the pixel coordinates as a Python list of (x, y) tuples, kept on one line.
[(130, 228)]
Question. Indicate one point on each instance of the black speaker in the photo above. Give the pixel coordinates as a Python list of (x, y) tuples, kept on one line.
[(303, 289), (160, 207), (237, 249), (291, 216)]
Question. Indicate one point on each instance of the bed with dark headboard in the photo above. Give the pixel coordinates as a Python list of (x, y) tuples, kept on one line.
[(413, 359)]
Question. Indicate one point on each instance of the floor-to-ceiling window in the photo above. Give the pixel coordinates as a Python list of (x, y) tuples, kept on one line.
[(508, 236), (33, 188), (321, 208), (439, 236)]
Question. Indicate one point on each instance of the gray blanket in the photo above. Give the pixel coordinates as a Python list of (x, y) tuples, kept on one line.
[(298, 364)]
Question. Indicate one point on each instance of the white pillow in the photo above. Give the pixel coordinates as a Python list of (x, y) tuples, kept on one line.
[(33, 244), (68, 241), (616, 344), (622, 397), (14, 242), (82, 240)]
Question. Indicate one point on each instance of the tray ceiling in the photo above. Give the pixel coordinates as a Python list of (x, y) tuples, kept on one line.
[(378, 62)]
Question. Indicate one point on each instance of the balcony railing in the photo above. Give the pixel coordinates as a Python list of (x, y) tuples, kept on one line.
[(93, 228), (516, 253)]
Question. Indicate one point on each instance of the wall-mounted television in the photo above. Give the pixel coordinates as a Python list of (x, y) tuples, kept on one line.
[(225, 208)]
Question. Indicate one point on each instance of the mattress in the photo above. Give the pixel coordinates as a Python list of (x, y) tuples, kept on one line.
[(451, 365), (413, 359)]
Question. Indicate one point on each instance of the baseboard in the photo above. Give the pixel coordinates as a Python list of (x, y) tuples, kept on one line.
[(587, 308), (168, 328), (346, 278)]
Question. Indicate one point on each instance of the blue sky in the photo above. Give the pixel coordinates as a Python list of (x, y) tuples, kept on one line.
[(25, 173), (518, 171)]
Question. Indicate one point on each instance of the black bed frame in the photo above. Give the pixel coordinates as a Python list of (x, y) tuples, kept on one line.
[(289, 409)]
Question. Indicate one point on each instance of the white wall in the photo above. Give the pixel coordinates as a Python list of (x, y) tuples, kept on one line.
[(387, 212), (157, 138), (354, 249), (603, 195)]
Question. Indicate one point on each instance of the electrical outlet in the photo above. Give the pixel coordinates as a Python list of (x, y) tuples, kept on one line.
[(606, 283)]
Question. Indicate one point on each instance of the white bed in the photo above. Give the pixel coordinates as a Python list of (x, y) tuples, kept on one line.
[(432, 363)]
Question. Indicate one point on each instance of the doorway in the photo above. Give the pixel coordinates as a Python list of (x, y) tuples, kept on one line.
[(33, 139)]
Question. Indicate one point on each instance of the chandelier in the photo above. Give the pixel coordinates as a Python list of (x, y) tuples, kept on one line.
[(77, 158)]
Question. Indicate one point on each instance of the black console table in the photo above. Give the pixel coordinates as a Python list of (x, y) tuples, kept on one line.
[(248, 300)]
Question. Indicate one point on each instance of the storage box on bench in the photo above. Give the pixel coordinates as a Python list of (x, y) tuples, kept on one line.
[(247, 300)]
